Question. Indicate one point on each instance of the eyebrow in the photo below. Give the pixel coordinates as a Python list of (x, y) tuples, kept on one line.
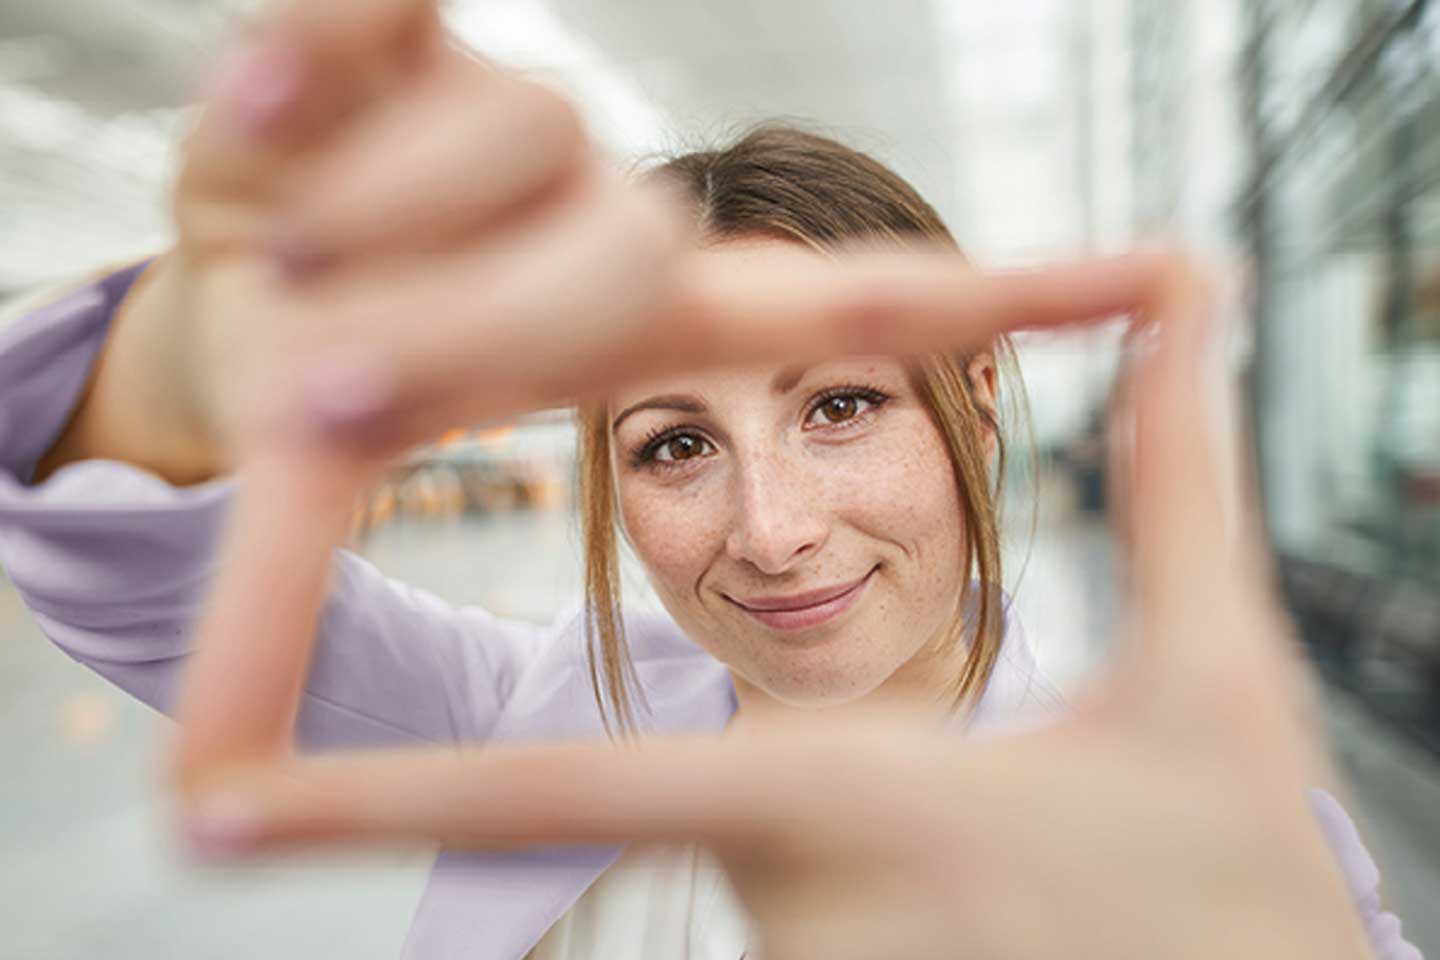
[(782, 383), (788, 379), (683, 402)]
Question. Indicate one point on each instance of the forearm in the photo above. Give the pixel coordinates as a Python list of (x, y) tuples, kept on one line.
[(134, 408)]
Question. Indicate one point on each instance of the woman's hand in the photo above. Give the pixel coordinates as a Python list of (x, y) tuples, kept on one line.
[(382, 237), (1166, 817), (324, 223), (370, 218)]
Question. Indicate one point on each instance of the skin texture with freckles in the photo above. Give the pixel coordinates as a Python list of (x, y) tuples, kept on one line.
[(769, 492)]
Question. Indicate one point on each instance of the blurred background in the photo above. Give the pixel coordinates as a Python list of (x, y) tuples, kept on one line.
[(1296, 140)]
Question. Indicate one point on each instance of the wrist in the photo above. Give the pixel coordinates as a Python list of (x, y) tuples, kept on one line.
[(133, 408)]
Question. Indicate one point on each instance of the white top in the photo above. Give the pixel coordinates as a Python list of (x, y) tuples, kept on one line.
[(656, 903)]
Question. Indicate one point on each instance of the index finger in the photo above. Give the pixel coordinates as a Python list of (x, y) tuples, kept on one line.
[(587, 301), (732, 790), (480, 798), (912, 301)]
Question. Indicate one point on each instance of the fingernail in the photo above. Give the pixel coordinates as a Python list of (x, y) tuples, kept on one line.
[(345, 389), (255, 83), (222, 827)]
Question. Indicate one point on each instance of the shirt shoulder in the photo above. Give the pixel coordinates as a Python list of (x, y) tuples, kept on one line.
[(1018, 694)]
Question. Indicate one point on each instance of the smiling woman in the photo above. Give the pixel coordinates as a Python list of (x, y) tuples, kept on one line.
[(818, 533), (772, 500)]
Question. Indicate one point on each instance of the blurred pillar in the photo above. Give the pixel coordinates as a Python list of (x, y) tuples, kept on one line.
[(1253, 218)]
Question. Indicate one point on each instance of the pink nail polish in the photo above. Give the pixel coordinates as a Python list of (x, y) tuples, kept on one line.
[(255, 84), (221, 828), (293, 261), (345, 389)]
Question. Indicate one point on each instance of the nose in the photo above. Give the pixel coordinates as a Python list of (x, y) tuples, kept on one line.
[(778, 520)]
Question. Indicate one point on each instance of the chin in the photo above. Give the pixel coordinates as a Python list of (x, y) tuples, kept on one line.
[(815, 700), (818, 685)]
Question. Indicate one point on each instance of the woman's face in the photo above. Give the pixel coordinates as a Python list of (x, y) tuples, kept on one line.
[(802, 524)]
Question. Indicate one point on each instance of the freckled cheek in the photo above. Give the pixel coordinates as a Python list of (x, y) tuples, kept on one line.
[(676, 532), (903, 491)]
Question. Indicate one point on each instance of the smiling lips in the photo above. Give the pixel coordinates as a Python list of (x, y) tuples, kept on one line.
[(801, 610)]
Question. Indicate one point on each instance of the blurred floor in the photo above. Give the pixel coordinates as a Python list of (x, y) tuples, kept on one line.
[(87, 869)]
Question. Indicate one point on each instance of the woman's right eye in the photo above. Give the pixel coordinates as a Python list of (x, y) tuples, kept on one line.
[(677, 447), (669, 448)]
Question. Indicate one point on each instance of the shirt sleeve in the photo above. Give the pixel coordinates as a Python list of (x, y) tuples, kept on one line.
[(113, 562), (1362, 877)]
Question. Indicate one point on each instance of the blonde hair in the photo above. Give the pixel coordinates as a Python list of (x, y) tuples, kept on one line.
[(782, 182)]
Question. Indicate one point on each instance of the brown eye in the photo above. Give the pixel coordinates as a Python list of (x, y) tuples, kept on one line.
[(843, 406), (840, 409), (685, 446)]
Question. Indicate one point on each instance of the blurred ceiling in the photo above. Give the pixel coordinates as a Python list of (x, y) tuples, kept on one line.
[(992, 110)]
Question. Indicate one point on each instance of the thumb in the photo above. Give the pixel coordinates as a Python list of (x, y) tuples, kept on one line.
[(482, 798), (748, 788)]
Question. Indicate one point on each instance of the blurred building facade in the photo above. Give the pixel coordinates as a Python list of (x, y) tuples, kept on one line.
[(1340, 214)]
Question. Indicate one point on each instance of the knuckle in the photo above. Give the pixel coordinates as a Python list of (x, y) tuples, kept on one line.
[(559, 128)]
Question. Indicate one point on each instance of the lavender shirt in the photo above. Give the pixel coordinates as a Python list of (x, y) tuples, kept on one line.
[(113, 563)]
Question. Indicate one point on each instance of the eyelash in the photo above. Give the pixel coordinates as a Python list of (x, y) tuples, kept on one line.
[(645, 454)]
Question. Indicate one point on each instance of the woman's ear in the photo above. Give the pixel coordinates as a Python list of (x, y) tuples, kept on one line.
[(983, 379)]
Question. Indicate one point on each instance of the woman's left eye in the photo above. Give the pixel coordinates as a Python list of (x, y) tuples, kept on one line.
[(838, 408)]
